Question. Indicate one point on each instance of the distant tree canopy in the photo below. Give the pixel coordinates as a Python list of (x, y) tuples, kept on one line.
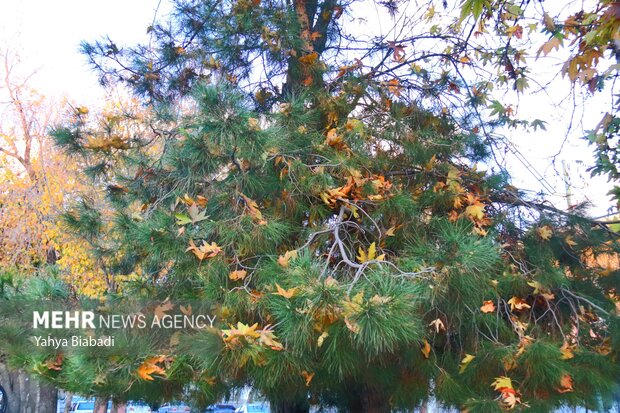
[(324, 187)]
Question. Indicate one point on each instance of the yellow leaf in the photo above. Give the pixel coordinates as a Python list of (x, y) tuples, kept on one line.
[(253, 210), (465, 362), (488, 306), (322, 338), (518, 303), (536, 286), (502, 382), (379, 299), (370, 255), (353, 306), (567, 352), (253, 124), (285, 293), (205, 251), (545, 232), (283, 260), (238, 275), (476, 210), (267, 338), (390, 232), (426, 349)]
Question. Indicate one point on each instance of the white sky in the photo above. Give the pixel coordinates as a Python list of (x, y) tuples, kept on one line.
[(47, 33)]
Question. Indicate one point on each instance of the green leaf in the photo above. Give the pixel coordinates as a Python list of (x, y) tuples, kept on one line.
[(182, 219)]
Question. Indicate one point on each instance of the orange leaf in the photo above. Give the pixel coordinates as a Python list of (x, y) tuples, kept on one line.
[(283, 260), (150, 367), (238, 275), (518, 303), (426, 349), (309, 59), (488, 306), (308, 377), (286, 293), (566, 384)]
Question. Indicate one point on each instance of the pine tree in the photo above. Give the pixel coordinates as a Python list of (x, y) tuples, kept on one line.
[(338, 217)]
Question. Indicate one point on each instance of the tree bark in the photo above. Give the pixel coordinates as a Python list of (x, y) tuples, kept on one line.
[(68, 401), (26, 394), (101, 405), (289, 407)]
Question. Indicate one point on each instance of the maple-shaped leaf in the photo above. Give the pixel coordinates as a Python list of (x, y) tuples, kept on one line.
[(161, 309), (268, 338), (518, 303), (515, 30), (283, 260), (547, 47), (488, 306), (371, 254), (252, 208), (285, 293), (541, 289), (195, 214), (426, 349), (379, 299), (391, 232), (150, 366), (567, 352), (241, 330), (56, 363), (502, 383), (545, 232), (307, 377), (438, 324), (566, 384), (175, 339), (238, 275), (186, 310), (394, 87), (398, 51), (205, 251), (182, 219), (353, 306), (309, 59), (465, 362), (475, 210)]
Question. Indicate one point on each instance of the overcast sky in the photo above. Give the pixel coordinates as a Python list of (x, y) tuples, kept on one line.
[(47, 34)]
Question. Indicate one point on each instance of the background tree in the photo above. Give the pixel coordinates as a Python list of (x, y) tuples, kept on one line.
[(326, 194)]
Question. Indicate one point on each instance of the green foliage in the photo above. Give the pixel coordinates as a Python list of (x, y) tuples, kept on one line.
[(354, 253)]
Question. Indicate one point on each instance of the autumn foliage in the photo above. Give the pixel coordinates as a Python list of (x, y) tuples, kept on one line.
[(337, 209)]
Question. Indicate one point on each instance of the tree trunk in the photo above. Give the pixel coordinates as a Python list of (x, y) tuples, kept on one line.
[(376, 403), (101, 405), (119, 407), (68, 401), (26, 394), (288, 407)]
